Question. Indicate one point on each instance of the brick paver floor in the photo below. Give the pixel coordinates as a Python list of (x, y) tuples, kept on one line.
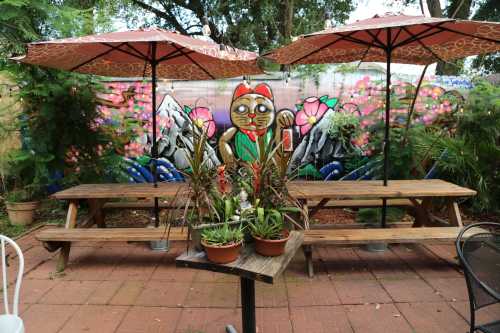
[(126, 288)]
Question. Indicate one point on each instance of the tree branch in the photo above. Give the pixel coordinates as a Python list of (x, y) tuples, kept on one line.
[(161, 14)]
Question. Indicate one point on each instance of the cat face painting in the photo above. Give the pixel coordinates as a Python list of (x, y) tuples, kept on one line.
[(253, 115), (252, 109)]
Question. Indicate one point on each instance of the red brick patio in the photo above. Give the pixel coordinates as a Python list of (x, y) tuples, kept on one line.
[(126, 288)]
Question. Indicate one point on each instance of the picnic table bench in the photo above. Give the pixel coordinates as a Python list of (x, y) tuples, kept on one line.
[(312, 195)]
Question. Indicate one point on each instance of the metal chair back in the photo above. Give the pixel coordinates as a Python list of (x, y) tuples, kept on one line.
[(15, 298), (479, 254)]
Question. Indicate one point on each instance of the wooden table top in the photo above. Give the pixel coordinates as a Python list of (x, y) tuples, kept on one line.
[(311, 190), (249, 264), (317, 190), (115, 191)]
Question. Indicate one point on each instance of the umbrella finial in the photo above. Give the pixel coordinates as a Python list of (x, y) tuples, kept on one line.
[(328, 20), (206, 28)]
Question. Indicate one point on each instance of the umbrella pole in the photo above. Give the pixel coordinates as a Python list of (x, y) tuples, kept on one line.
[(387, 125), (155, 146)]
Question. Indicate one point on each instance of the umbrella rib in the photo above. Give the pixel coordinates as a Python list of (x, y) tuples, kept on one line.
[(174, 56), (95, 57), (194, 62), (321, 48), (470, 35), (127, 52), (426, 47), (419, 35), (396, 37), (362, 42), (375, 38), (136, 50), (145, 61), (165, 57), (369, 47)]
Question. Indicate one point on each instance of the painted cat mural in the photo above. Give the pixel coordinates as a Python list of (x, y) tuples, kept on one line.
[(253, 115)]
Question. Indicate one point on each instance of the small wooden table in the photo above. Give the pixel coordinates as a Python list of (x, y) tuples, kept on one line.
[(249, 267)]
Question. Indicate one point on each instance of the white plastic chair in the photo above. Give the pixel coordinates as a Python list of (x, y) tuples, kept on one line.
[(11, 322)]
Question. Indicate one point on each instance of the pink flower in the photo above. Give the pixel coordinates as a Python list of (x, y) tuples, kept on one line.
[(312, 111), (368, 109), (203, 119), (363, 83)]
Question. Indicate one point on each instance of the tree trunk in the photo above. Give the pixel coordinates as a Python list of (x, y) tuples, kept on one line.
[(434, 7), (456, 9), (287, 26)]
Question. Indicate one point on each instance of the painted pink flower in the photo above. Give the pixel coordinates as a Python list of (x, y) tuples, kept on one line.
[(363, 83), (203, 119), (312, 111), (367, 109)]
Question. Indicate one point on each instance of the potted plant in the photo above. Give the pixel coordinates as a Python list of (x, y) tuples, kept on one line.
[(21, 205), (267, 227), (27, 176), (210, 201), (270, 218), (222, 244)]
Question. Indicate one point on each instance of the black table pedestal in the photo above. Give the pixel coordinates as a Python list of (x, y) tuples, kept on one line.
[(247, 307), (248, 304)]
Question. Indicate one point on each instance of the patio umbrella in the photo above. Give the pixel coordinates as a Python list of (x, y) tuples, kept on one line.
[(155, 53), (392, 38)]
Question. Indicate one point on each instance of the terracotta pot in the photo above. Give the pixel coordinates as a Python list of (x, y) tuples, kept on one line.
[(196, 231), (271, 247), (222, 254), (21, 213)]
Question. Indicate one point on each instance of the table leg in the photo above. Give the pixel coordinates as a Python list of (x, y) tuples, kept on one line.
[(454, 213), (70, 224), (422, 217), (95, 206), (248, 304), (307, 249)]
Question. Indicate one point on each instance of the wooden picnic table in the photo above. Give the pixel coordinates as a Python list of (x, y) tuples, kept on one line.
[(313, 196), (250, 266), (418, 192), (419, 195)]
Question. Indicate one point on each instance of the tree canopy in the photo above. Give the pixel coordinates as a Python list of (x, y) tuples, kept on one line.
[(255, 25)]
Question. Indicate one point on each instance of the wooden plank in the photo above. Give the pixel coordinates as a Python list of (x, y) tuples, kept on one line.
[(110, 235), (142, 204), (394, 235), (110, 191), (249, 264), (95, 206), (360, 203), (454, 214), (318, 190), (72, 214), (315, 190), (71, 219)]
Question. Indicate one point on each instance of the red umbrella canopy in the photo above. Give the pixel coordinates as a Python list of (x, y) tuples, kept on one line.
[(130, 54), (410, 39)]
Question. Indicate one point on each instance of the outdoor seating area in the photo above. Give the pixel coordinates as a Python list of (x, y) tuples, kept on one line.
[(234, 167), (119, 287)]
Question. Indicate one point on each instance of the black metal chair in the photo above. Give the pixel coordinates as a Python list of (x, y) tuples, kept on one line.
[(478, 247)]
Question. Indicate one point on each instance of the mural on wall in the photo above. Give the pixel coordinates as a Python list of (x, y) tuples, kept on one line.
[(323, 132), (253, 115)]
